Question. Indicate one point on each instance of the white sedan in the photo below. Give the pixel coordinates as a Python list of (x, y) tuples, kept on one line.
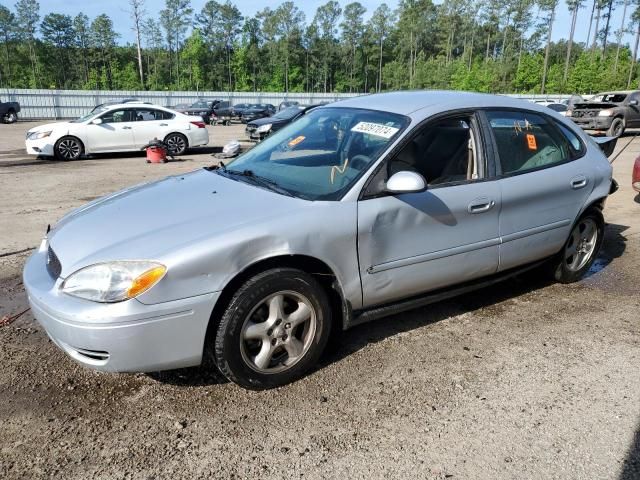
[(117, 128)]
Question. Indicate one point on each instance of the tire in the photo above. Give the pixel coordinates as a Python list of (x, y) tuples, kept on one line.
[(254, 344), (617, 128), (10, 117), (177, 144), (68, 148), (570, 265)]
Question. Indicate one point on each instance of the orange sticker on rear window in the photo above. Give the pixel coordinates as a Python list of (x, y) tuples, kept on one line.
[(531, 142), (296, 141)]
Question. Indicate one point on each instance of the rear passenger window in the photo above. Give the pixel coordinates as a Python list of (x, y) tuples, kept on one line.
[(573, 139), (528, 141)]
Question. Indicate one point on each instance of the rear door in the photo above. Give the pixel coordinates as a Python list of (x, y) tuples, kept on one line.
[(115, 133), (149, 125), (545, 179)]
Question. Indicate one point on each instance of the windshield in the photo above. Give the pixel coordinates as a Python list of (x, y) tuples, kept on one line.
[(287, 113), (321, 155), (609, 97), (91, 114)]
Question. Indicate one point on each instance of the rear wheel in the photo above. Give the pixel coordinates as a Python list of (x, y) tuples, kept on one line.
[(581, 248), (176, 143), (68, 148), (274, 329), (10, 117), (617, 128)]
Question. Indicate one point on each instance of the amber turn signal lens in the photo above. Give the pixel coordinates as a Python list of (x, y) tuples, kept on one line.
[(145, 281)]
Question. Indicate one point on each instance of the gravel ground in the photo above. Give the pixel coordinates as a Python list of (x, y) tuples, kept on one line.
[(526, 379)]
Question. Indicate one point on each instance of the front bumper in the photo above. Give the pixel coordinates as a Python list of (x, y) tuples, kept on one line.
[(43, 146), (593, 123), (254, 136), (127, 336)]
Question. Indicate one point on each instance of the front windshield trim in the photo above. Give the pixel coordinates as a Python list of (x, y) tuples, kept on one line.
[(89, 116), (289, 170)]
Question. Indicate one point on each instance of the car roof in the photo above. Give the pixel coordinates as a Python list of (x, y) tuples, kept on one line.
[(410, 103), (132, 105)]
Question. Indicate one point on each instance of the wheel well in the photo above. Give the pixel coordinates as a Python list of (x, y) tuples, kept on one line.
[(320, 270), (597, 203)]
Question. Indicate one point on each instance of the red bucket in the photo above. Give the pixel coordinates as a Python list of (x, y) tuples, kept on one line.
[(156, 154)]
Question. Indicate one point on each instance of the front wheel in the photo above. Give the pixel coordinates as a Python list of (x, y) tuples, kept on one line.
[(274, 330), (68, 148), (176, 143), (616, 129), (581, 248)]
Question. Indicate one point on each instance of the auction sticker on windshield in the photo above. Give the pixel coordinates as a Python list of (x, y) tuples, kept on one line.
[(376, 129)]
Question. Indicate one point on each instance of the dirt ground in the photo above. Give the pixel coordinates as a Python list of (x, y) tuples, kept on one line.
[(523, 380)]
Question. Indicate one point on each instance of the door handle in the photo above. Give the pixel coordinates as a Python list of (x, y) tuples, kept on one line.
[(126, 128), (481, 205), (579, 182), (164, 124)]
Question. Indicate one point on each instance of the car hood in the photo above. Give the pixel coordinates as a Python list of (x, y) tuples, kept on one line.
[(268, 120), (595, 105), (47, 127), (154, 220)]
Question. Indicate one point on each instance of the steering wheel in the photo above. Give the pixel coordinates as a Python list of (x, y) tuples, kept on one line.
[(360, 162)]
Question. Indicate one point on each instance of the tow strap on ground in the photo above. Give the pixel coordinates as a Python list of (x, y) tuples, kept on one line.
[(8, 320), (623, 148)]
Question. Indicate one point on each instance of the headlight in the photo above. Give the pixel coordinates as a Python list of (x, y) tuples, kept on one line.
[(114, 281), (264, 128), (605, 113), (38, 135)]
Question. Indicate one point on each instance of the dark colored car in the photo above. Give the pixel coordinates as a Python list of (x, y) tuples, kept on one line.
[(9, 112), (222, 113), (612, 112), (257, 110), (287, 104), (202, 108), (239, 108), (257, 130), (557, 107)]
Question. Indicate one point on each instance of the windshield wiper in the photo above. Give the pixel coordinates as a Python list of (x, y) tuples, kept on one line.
[(257, 179)]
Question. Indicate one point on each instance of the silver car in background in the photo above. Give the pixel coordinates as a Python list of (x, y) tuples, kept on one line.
[(363, 208)]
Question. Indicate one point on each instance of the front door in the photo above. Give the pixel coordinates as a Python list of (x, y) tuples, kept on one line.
[(115, 133), (412, 243)]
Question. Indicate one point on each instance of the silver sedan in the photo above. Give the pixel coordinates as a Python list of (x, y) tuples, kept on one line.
[(363, 208)]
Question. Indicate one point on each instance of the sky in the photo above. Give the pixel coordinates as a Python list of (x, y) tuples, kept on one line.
[(117, 10)]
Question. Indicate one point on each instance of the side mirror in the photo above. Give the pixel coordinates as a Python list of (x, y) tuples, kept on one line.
[(406, 182), (633, 102), (96, 121)]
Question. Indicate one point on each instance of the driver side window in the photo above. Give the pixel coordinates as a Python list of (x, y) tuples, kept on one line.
[(443, 152), (117, 116)]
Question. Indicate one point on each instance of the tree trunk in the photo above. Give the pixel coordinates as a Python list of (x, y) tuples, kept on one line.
[(570, 44), (546, 52), (635, 53), (595, 32), (473, 32), (486, 55), (593, 10), (624, 18), (606, 29), (380, 68)]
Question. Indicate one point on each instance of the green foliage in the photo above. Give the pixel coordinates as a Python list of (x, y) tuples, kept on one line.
[(475, 45)]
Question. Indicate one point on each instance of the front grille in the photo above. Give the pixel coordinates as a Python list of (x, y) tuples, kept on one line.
[(251, 128), (53, 264), (584, 113)]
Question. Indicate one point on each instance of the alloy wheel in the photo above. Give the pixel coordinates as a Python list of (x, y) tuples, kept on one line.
[(69, 149), (176, 144), (581, 244), (278, 332)]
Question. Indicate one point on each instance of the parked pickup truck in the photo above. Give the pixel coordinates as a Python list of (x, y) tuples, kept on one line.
[(9, 111), (611, 112)]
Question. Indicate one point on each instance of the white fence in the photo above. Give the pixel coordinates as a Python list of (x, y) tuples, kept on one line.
[(57, 104)]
